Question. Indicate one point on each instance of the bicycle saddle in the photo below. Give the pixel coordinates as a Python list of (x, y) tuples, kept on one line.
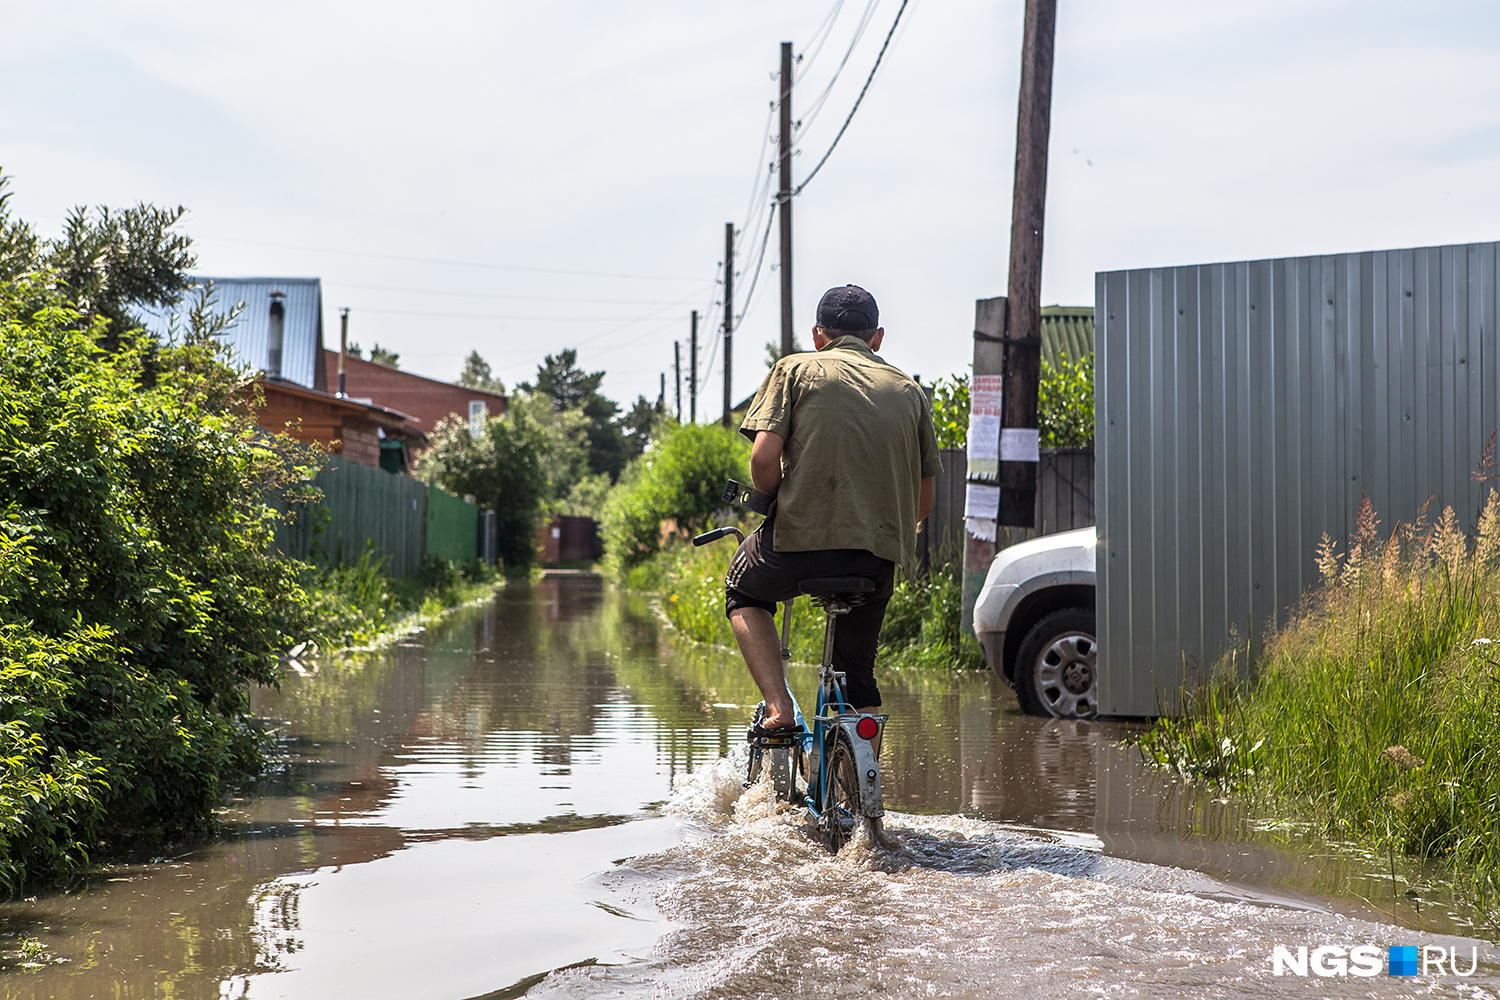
[(827, 586)]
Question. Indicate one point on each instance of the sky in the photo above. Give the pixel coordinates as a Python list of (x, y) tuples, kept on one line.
[(518, 179)]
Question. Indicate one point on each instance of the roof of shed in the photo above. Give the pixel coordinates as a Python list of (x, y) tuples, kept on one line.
[(1067, 331), (302, 329)]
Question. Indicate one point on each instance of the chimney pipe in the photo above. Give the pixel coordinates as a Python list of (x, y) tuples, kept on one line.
[(343, 348), (274, 335)]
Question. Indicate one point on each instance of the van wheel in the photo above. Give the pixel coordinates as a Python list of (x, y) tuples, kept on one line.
[(1057, 671)]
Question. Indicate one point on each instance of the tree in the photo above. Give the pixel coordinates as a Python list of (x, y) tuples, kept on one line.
[(382, 356), (560, 378), (680, 479), (503, 468), (107, 264), (639, 424), (477, 375), (773, 349), (570, 388)]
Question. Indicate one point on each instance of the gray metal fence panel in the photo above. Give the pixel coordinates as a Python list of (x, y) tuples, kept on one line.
[(1243, 409)]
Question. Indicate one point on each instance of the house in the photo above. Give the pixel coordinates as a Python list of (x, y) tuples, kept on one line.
[(426, 401), (370, 435)]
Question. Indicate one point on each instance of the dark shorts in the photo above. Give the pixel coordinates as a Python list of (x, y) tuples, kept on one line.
[(761, 577)]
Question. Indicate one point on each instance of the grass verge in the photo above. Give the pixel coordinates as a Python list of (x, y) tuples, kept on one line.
[(1376, 708), (358, 606), (921, 622)]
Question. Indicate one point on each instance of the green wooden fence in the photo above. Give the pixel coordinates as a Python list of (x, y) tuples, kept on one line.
[(452, 526), (399, 519)]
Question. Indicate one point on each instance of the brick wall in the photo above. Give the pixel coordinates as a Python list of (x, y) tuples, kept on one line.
[(426, 400)]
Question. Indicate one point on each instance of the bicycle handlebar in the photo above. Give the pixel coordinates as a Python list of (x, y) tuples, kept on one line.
[(718, 533)]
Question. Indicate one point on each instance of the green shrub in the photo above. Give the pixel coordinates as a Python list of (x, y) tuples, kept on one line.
[(505, 468), (138, 595), (680, 480), (1064, 406)]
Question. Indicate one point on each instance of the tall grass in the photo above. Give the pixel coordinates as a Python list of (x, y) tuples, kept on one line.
[(1376, 708), (357, 604), (921, 628)]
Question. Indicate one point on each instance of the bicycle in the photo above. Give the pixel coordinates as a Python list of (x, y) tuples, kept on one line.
[(836, 757)]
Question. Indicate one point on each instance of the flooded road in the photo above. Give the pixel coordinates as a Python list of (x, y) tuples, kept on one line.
[(542, 797)]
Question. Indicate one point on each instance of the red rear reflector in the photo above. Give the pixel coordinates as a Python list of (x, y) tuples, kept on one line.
[(867, 728)]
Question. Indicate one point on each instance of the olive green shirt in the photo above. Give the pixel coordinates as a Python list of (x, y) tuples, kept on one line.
[(859, 441)]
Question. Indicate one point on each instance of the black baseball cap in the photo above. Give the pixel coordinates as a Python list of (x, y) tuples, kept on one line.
[(848, 307)]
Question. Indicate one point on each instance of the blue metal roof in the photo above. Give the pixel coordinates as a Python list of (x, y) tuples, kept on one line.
[(302, 329)]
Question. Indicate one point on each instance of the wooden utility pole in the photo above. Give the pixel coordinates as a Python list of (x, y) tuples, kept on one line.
[(728, 321), (693, 371), (784, 198), (1023, 328), (677, 368), (661, 397)]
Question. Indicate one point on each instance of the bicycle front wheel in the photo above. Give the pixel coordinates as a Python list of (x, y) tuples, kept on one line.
[(841, 811)]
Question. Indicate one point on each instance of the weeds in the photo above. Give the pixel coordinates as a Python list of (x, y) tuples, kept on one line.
[(1377, 706), (921, 628), (354, 605)]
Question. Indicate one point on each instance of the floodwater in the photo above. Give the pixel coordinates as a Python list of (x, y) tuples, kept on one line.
[(542, 797)]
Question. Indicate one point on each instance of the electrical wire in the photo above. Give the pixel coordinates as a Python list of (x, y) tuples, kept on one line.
[(819, 37), (755, 276), (857, 101), (491, 295), (811, 114), (452, 263)]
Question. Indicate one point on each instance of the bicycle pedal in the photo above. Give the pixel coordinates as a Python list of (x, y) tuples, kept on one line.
[(773, 742)]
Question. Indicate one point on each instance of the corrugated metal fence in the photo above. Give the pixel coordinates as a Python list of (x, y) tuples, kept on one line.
[(1064, 500), (1242, 411), (400, 519)]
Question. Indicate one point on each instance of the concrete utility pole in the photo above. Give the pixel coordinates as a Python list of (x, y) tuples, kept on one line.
[(693, 372), (1023, 329), (784, 198), (677, 368), (728, 321), (343, 350)]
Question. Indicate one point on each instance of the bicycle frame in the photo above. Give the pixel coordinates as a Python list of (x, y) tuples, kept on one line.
[(835, 723)]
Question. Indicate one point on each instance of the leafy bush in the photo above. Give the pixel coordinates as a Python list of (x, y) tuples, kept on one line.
[(1064, 406), (921, 626), (1065, 403), (680, 480), (138, 596), (505, 468)]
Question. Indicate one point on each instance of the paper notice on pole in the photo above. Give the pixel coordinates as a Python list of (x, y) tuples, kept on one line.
[(982, 528), (984, 427), (1019, 444), (982, 501)]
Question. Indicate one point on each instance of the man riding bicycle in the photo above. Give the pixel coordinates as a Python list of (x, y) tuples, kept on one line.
[(845, 443)]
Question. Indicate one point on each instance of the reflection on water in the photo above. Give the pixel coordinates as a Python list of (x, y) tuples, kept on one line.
[(475, 806)]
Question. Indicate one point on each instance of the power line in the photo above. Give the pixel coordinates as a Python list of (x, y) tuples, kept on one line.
[(508, 319), (819, 37), (451, 263), (859, 32), (491, 295), (857, 101), (755, 275)]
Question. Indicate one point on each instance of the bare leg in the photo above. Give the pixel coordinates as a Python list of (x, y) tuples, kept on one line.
[(755, 631)]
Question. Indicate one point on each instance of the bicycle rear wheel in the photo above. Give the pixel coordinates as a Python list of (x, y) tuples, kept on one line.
[(841, 810)]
